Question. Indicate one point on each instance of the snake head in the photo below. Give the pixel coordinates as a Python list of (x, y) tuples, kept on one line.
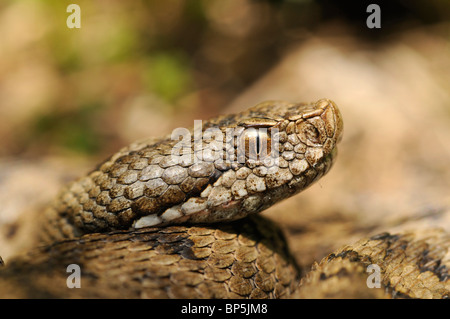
[(280, 149), (269, 152), (294, 135)]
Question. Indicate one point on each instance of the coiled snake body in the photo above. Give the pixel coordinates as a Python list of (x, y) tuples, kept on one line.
[(175, 217)]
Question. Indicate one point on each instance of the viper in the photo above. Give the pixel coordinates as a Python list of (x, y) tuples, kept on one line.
[(177, 217)]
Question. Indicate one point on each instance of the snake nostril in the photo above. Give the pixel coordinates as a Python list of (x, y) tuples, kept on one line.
[(308, 133), (312, 134)]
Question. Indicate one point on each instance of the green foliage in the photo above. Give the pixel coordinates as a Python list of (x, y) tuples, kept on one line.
[(74, 130), (167, 74)]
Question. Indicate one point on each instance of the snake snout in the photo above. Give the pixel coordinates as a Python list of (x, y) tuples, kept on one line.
[(319, 129), (337, 121), (332, 119)]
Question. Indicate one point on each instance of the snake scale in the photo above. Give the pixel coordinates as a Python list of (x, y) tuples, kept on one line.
[(175, 217)]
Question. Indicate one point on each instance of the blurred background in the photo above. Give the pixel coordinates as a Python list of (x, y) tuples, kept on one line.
[(71, 97)]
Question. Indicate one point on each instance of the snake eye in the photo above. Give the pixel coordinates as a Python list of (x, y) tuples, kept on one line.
[(255, 144)]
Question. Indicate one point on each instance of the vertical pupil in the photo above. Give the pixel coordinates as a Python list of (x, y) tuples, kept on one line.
[(255, 144), (258, 146)]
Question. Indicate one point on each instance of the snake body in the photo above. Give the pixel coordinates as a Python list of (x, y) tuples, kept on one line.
[(175, 217)]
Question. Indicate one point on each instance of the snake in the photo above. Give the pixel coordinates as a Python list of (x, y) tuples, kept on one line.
[(177, 217)]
